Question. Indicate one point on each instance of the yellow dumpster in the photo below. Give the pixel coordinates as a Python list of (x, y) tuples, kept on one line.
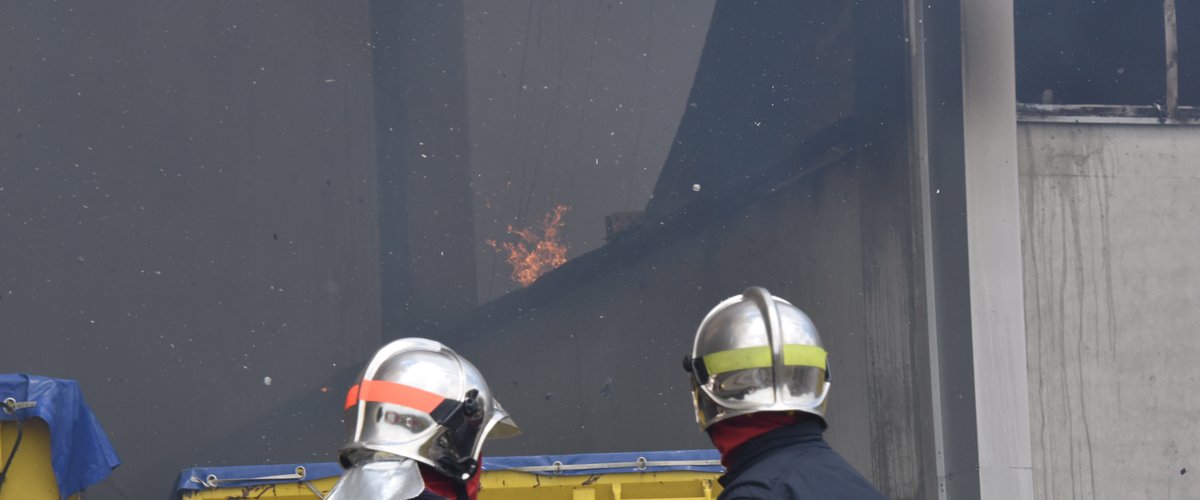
[(689, 474), (51, 446), (30, 475), (674, 475)]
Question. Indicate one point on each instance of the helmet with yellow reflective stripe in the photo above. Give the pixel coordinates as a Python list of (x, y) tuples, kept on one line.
[(755, 353), (417, 401)]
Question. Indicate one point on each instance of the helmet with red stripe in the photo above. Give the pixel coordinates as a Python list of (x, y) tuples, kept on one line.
[(419, 401)]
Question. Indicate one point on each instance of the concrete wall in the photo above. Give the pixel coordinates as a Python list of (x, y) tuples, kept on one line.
[(187, 204), (1110, 238)]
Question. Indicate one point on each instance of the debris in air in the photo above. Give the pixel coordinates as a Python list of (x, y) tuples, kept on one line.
[(538, 250), (266, 380), (696, 188)]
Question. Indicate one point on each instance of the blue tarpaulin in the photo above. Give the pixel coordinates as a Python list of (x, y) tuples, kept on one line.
[(80, 452), (568, 465)]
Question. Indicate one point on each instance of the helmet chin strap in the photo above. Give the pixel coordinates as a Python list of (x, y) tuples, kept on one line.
[(460, 473)]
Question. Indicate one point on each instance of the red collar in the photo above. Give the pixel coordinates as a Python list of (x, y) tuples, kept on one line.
[(445, 486), (728, 435)]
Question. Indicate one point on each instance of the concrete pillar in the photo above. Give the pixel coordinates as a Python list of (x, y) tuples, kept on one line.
[(964, 136), (994, 250)]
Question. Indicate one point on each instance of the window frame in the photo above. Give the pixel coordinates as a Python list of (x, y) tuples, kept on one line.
[(1170, 114)]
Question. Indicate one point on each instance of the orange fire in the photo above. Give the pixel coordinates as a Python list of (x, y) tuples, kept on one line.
[(538, 250)]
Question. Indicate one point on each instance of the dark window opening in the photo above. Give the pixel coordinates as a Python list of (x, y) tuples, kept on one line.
[(1187, 15), (1093, 51)]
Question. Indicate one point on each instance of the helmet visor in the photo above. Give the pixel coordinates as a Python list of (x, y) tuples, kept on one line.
[(804, 386), (745, 378), (748, 387)]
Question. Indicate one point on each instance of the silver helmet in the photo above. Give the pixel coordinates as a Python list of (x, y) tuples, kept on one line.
[(755, 353), (417, 401)]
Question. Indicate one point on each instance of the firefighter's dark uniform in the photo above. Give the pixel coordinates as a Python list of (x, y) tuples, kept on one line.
[(793, 462)]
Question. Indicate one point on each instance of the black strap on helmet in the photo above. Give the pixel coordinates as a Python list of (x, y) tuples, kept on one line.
[(463, 419), (696, 367)]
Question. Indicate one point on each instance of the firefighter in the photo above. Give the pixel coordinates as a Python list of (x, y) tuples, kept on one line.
[(417, 418), (760, 380)]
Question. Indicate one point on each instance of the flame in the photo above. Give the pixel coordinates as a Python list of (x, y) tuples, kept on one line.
[(538, 251)]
